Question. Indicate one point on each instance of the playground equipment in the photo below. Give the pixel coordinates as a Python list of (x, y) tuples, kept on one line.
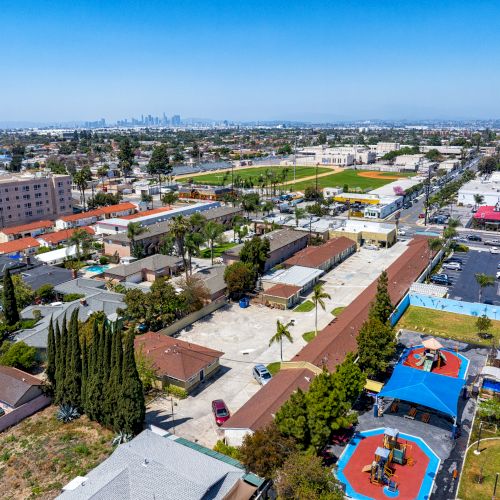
[(391, 452), (432, 355)]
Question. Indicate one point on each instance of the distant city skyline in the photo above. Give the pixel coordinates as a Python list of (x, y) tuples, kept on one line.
[(314, 61)]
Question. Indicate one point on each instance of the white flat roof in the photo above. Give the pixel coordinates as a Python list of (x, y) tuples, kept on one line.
[(404, 183), (58, 254), (295, 275), (354, 226)]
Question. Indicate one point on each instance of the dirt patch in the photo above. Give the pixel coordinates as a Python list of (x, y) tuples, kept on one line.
[(378, 175)]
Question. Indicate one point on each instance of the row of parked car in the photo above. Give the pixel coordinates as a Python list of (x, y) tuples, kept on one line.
[(219, 408), (450, 264)]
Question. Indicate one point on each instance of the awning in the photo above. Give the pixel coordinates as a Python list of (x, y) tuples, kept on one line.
[(491, 371), (428, 389), (373, 386)]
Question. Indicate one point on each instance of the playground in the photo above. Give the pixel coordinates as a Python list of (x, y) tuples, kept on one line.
[(384, 463)]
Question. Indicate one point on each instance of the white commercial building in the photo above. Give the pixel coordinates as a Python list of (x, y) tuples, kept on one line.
[(343, 156), (488, 187)]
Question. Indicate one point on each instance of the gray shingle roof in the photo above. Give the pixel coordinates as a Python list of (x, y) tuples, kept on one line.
[(152, 263), (14, 384), (151, 466)]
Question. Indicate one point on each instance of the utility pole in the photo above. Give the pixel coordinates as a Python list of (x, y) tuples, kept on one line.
[(295, 163), (427, 192)]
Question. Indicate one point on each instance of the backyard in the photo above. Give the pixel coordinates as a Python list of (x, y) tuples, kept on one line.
[(445, 324), (218, 250), (478, 475), (40, 455)]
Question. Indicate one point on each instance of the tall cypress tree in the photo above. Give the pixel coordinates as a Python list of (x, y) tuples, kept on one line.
[(10, 310), (113, 387), (73, 378), (382, 307), (83, 392), (106, 361), (94, 384), (51, 355), (57, 372), (61, 359), (131, 405)]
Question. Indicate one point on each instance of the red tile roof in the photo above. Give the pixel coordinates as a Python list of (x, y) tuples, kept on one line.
[(41, 224), (259, 410), (18, 245), (173, 357), (316, 256), (283, 291), (153, 211), (63, 235), (487, 212), (331, 345), (99, 212)]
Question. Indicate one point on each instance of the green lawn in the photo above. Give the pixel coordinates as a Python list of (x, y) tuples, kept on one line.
[(274, 368), (353, 180), (487, 464), (445, 324), (218, 250), (255, 173), (337, 310), (304, 307), (308, 336)]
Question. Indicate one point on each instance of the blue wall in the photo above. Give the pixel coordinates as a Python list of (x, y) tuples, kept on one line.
[(446, 305)]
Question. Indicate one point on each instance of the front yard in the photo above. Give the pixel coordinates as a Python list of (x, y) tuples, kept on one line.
[(40, 455), (444, 324)]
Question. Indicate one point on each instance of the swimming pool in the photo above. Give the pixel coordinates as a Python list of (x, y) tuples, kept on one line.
[(491, 385), (96, 269)]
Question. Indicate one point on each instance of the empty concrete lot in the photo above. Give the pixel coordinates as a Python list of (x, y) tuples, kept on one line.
[(244, 334)]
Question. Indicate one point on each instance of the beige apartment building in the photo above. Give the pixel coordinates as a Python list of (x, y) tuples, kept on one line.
[(26, 198)]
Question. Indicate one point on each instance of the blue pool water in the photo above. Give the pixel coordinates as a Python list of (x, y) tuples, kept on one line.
[(491, 385), (97, 269)]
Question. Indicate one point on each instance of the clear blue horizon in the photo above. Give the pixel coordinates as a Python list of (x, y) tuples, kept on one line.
[(252, 60)]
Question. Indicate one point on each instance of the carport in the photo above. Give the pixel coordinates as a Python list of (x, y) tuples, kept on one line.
[(437, 392)]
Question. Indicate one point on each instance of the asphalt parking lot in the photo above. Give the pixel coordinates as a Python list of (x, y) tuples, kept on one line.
[(463, 283)]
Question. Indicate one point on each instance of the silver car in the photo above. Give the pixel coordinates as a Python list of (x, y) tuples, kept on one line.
[(261, 374)]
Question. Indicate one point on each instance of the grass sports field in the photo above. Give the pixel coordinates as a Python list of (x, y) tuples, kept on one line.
[(362, 179), (254, 173)]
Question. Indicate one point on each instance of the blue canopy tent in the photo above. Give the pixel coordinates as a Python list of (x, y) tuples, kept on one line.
[(439, 392)]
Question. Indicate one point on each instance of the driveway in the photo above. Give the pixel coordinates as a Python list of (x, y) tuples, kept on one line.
[(244, 334)]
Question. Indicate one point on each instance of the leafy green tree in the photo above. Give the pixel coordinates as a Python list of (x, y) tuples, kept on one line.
[(484, 281), (146, 369), (135, 229), (104, 200), (169, 198), (292, 419), (256, 252), (10, 310), (239, 278), (382, 307), (115, 381), (131, 403), (51, 355), (318, 297), (18, 354), (478, 199), (179, 228), (433, 155), (24, 293), (46, 292), (282, 332), (73, 376), (376, 345), (303, 476), (265, 451), (159, 164), (487, 165), (126, 157), (483, 323)]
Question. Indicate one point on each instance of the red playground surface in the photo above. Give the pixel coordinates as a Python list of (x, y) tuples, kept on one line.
[(408, 477), (449, 368)]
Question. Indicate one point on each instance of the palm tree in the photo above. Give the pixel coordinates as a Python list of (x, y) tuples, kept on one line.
[(318, 297), (299, 213), (192, 242), (179, 228), (434, 244), (102, 172), (82, 241), (134, 229), (484, 281), (451, 231), (478, 199), (211, 232), (80, 179), (282, 331)]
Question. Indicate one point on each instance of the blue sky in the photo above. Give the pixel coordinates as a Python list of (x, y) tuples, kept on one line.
[(248, 60)]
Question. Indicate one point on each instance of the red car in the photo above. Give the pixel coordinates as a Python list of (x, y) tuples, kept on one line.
[(220, 411), (421, 216)]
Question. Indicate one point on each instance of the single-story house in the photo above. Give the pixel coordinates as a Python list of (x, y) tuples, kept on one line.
[(37, 276), (283, 243), (302, 277), (61, 237), (22, 246), (177, 362), (325, 256), (157, 464), (92, 216), (13, 265), (32, 229), (200, 192), (281, 296), (17, 387), (213, 278), (147, 269)]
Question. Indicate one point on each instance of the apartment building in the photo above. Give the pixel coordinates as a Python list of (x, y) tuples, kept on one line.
[(26, 198)]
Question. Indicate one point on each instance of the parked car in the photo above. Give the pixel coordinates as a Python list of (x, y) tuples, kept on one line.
[(407, 205), (2, 412), (220, 411), (440, 279), (494, 250), (498, 275), (494, 243), (452, 266), (261, 374), (455, 259), (402, 232), (474, 237), (421, 216)]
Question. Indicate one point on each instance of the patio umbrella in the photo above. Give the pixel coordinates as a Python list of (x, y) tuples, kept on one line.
[(432, 344)]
